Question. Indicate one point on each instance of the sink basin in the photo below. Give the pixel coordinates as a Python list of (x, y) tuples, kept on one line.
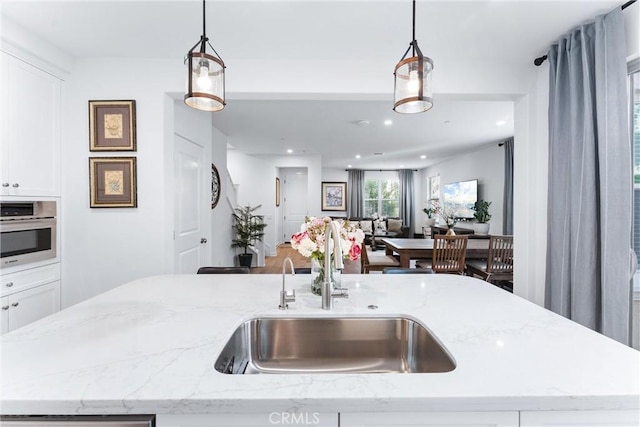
[(264, 345)]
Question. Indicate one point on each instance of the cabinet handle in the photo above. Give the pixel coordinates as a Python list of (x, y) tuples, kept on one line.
[(5, 184), (16, 185), (5, 307), (203, 240), (15, 304), (9, 284)]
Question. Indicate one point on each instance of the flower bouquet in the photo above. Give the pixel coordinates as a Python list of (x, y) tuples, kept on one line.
[(450, 219), (310, 242)]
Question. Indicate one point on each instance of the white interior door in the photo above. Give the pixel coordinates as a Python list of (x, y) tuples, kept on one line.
[(189, 206), (294, 191)]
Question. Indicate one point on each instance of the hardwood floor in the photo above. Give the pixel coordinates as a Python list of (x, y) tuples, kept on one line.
[(273, 264)]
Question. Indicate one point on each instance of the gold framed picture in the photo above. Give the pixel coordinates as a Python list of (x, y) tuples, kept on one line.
[(112, 182), (112, 125), (334, 196)]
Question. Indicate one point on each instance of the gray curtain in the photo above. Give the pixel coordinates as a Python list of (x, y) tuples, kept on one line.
[(355, 187), (507, 202), (406, 199), (588, 242)]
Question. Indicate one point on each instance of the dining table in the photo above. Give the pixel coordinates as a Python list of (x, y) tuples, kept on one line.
[(409, 249)]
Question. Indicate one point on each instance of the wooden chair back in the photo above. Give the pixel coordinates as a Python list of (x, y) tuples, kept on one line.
[(500, 257), (449, 253)]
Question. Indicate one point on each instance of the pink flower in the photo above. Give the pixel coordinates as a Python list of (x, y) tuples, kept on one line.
[(355, 252), (298, 237)]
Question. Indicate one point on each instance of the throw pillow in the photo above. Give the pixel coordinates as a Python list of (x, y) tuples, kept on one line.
[(381, 226), (366, 226), (395, 225)]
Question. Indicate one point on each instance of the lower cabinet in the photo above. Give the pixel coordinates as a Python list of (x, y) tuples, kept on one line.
[(431, 419), (28, 296), (275, 418)]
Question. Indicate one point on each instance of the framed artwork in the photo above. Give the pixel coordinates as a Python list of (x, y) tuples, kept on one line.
[(112, 125), (215, 186), (112, 182), (434, 187), (277, 191), (334, 196)]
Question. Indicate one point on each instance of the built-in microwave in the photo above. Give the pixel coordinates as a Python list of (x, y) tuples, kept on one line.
[(27, 232)]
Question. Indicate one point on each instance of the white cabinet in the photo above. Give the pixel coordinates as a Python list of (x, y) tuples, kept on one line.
[(427, 419), (30, 140), (29, 295), (579, 418)]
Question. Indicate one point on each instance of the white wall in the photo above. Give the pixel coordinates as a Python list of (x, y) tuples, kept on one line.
[(486, 165)]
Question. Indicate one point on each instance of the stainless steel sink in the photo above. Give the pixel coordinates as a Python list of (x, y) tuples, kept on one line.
[(266, 345)]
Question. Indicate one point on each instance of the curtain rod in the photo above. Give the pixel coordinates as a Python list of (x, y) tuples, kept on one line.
[(540, 60), (378, 170)]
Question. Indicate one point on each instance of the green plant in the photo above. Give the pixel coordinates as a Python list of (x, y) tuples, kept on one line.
[(481, 211), (433, 209), (249, 227)]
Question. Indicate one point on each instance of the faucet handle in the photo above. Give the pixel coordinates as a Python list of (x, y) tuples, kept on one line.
[(340, 293), (286, 297)]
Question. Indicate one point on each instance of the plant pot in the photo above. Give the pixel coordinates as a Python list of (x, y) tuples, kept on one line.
[(481, 228), (245, 260), (429, 222)]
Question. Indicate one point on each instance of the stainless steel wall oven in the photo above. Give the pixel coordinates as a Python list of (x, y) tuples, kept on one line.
[(28, 232)]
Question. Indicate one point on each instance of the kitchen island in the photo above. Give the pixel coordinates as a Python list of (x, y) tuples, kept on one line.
[(149, 347)]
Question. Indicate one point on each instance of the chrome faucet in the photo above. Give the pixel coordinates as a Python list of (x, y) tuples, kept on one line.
[(328, 293), (285, 297)]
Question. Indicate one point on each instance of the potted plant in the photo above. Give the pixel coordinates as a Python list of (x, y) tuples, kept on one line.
[(431, 211), (249, 228), (482, 216)]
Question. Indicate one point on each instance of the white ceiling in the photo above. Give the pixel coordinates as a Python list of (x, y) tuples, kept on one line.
[(513, 32)]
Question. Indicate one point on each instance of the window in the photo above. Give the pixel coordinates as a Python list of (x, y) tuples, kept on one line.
[(381, 194)]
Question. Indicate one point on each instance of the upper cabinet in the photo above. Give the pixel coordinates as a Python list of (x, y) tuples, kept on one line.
[(30, 143)]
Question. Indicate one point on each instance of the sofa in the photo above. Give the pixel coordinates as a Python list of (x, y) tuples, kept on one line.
[(393, 227)]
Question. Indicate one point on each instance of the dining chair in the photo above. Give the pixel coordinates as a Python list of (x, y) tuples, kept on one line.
[(499, 263), (224, 270), (377, 262), (402, 270), (449, 254)]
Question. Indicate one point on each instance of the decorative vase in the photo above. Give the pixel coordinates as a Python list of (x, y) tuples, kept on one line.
[(450, 231), (318, 275)]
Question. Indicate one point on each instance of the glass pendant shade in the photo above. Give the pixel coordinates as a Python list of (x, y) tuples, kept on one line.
[(205, 82), (412, 92)]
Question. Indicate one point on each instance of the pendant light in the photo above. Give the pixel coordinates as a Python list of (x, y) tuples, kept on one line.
[(412, 91), (205, 75)]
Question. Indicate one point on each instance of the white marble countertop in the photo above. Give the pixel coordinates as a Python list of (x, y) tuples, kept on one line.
[(149, 347)]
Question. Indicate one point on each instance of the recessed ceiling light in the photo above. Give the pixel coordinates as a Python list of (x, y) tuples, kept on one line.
[(501, 122), (357, 156), (348, 166), (289, 151), (423, 157), (388, 122)]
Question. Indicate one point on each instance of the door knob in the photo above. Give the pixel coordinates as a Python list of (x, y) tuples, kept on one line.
[(16, 185), (5, 307), (10, 284), (203, 240), (5, 184), (15, 304)]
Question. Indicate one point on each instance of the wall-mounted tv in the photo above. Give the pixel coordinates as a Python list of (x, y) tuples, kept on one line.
[(460, 197)]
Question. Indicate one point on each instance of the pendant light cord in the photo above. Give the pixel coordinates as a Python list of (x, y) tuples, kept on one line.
[(413, 34)]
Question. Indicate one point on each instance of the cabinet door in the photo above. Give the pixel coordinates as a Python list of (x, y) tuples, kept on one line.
[(31, 135), (33, 304), (580, 418), (4, 315), (430, 419)]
